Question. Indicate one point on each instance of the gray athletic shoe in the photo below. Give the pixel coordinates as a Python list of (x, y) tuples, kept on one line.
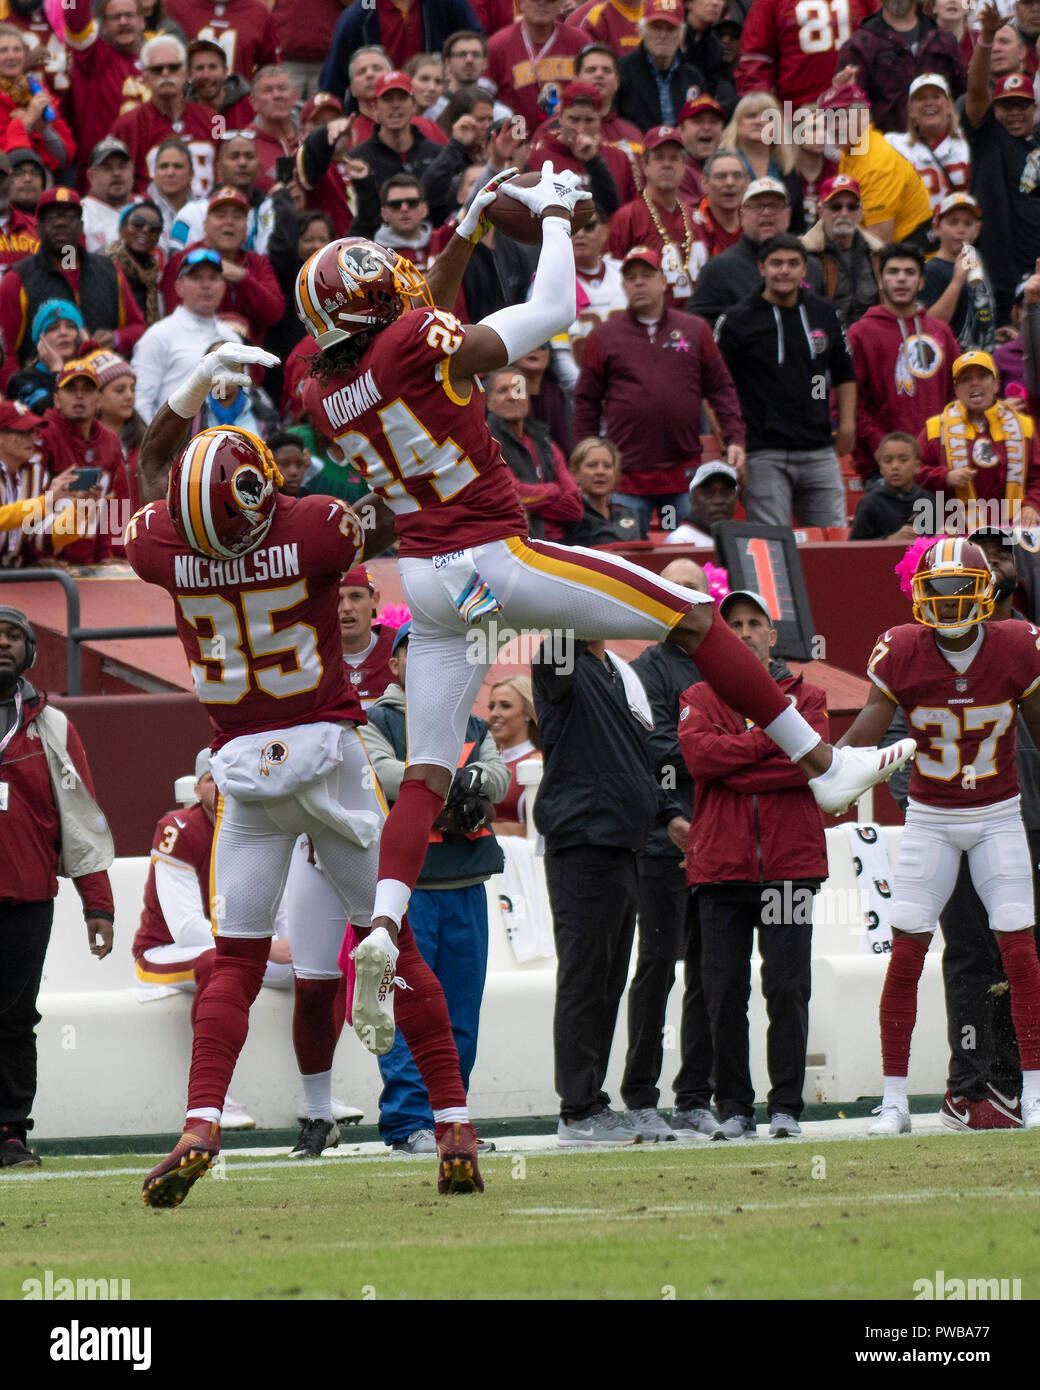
[(604, 1127), (696, 1124), (783, 1126), (739, 1127), (651, 1127), (420, 1141)]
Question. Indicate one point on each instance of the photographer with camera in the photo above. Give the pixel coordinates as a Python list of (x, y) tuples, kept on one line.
[(448, 909)]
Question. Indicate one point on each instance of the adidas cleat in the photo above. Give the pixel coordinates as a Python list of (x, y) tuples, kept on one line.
[(457, 1169), (855, 770), (375, 963), (169, 1183)]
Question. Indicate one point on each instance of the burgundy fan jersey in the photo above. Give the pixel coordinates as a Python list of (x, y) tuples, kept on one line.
[(790, 47), (245, 30), (964, 722), (145, 128), (184, 839), (419, 439), (261, 632)]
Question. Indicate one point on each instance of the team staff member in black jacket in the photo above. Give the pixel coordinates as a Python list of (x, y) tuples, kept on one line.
[(784, 346), (396, 147), (757, 854), (596, 805), (669, 930)]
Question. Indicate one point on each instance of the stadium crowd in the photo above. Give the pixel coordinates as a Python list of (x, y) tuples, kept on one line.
[(808, 287)]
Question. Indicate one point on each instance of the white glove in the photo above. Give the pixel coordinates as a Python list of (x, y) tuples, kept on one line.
[(474, 224), (226, 366), (552, 190)]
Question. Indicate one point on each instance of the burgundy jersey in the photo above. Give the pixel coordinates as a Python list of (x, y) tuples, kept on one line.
[(305, 27), (420, 440), (964, 722), (261, 632), (145, 128), (184, 839), (105, 82), (244, 29), (790, 47), (370, 677), (520, 68)]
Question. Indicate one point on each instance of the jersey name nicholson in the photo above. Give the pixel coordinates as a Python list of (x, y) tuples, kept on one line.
[(270, 562)]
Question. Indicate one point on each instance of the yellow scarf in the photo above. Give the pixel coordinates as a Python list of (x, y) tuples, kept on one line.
[(957, 435), (17, 88)]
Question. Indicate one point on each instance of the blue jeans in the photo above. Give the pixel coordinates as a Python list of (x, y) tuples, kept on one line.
[(644, 504), (451, 930)]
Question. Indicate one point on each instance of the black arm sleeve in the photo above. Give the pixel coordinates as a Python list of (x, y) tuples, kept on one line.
[(438, 181), (602, 186)]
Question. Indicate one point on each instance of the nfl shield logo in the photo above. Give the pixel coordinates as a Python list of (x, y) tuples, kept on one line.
[(355, 677), (960, 684)]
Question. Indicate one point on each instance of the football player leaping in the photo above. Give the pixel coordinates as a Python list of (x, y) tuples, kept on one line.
[(255, 580), (960, 681), (394, 386)]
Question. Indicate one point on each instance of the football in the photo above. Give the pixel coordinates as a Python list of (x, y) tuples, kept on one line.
[(513, 218)]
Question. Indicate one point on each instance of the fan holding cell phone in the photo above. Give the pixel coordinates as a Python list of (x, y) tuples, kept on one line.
[(81, 454)]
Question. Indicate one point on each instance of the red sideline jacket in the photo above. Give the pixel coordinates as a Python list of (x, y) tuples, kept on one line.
[(30, 829), (754, 818)]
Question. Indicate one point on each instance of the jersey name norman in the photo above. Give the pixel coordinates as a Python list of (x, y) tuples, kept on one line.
[(258, 567), (349, 402), (427, 450)]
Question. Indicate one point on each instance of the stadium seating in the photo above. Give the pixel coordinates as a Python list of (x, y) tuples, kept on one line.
[(110, 1065)]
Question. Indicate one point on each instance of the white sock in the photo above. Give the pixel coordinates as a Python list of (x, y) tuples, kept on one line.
[(793, 734), (391, 900), (317, 1094), (454, 1115), (210, 1115), (1030, 1086), (895, 1092)]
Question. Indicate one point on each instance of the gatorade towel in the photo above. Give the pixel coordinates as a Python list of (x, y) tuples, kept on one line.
[(345, 961)]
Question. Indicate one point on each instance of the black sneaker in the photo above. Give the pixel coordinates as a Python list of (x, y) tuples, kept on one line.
[(314, 1138), (13, 1151)]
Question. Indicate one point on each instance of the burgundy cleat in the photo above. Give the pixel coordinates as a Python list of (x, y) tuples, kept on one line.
[(955, 1112), (457, 1169), (996, 1111), (169, 1183)]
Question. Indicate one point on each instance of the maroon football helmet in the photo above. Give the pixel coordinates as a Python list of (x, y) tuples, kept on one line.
[(352, 286), (952, 571), (222, 492)]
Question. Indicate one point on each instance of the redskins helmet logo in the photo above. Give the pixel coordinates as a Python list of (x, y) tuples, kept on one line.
[(358, 264), (248, 486)]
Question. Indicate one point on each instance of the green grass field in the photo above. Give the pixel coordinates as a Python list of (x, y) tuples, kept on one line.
[(840, 1219)]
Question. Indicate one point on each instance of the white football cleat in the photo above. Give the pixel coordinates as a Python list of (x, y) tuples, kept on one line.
[(375, 966), (854, 770), (342, 1113), (235, 1116), (890, 1120), (1031, 1113)]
